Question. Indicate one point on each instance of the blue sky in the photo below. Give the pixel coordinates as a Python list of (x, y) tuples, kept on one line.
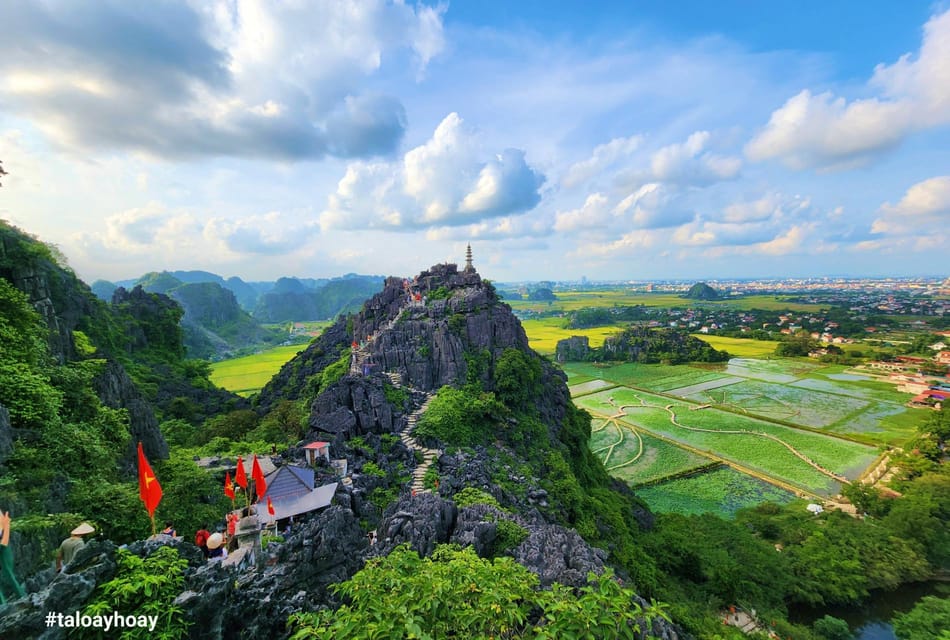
[(641, 140)]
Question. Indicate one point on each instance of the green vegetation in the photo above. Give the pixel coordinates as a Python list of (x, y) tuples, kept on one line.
[(645, 346), (470, 495), (247, 375), (928, 620), (142, 586), (460, 417), (722, 492), (456, 594), (655, 377)]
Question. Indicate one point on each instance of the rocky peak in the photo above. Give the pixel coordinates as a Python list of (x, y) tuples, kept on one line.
[(429, 329)]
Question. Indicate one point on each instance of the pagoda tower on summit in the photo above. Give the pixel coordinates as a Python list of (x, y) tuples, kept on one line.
[(468, 259)]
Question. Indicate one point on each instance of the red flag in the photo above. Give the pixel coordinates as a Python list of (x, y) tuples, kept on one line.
[(228, 486), (150, 491), (259, 485), (270, 507), (239, 475)]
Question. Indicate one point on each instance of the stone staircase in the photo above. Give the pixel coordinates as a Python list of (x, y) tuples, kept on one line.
[(360, 356), (428, 455)]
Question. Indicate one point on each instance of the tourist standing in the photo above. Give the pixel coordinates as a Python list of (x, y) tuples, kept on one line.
[(72, 544), (6, 561)]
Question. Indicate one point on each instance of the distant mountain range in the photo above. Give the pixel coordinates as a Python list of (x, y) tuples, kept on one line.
[(223, 316)]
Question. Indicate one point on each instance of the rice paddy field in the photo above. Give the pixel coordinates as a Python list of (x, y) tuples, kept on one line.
[(804, 404), (544, 333), (656, 377), (761, 454), (573, 300), (738, 346), (723, 492), (638, 457), (248, 375)]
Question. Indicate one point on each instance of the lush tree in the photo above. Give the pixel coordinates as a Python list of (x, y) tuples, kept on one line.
[(142, 586), (928, 620), (517, 378), (456, 594), (831, 628)]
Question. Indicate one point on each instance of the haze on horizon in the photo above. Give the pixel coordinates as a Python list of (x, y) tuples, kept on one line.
[(693, 140)]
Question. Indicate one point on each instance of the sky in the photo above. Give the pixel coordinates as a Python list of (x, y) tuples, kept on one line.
[(640, 140)]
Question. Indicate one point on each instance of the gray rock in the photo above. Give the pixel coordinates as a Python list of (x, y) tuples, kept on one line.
[(6, 435)]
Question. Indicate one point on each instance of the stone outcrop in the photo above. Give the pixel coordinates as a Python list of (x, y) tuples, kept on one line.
[(6, 435), (353, 406), (433, 340), (116, 390), (573, 349)]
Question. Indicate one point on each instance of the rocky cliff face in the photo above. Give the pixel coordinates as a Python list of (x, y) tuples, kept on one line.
[(6, 435), (434, 341), (116, 390)]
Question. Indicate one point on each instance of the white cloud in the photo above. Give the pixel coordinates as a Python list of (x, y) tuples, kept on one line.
[(655, 206), (595, 212), (627, 243), (824, 131), (689, 164), (231, 77), (925, 203), (603, 156), (448, 181), (272, 233)]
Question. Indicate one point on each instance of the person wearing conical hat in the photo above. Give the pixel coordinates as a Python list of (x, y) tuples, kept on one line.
[(216, 550), (72, 544)]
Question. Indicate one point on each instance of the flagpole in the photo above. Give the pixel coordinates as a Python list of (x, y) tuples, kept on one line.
[(152, 518)]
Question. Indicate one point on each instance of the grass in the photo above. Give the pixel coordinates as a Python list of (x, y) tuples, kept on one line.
[(722, 492), (738, 346), (248, 374), (544, 333), (755, 452)]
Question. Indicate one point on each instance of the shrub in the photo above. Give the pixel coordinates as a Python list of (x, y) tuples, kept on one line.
[(143, 586), (470, 495)]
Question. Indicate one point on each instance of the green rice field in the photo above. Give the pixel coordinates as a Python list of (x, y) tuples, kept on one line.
[(656, 377), (755, 452), (722, 491), (637, 457), (247, 375)]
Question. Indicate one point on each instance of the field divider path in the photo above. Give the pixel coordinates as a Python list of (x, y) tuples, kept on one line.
[(610, 447), (621, 428), (755, 473), (669, 409)]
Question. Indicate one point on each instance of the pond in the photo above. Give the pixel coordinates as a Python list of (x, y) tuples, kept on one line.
[(871, 620)]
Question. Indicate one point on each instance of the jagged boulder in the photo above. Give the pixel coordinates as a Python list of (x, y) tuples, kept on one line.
[(117, 390), (225, 602), (65, 592), (573, 349), (557, 554), (423, 521), (6, 435), (352, 406)]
